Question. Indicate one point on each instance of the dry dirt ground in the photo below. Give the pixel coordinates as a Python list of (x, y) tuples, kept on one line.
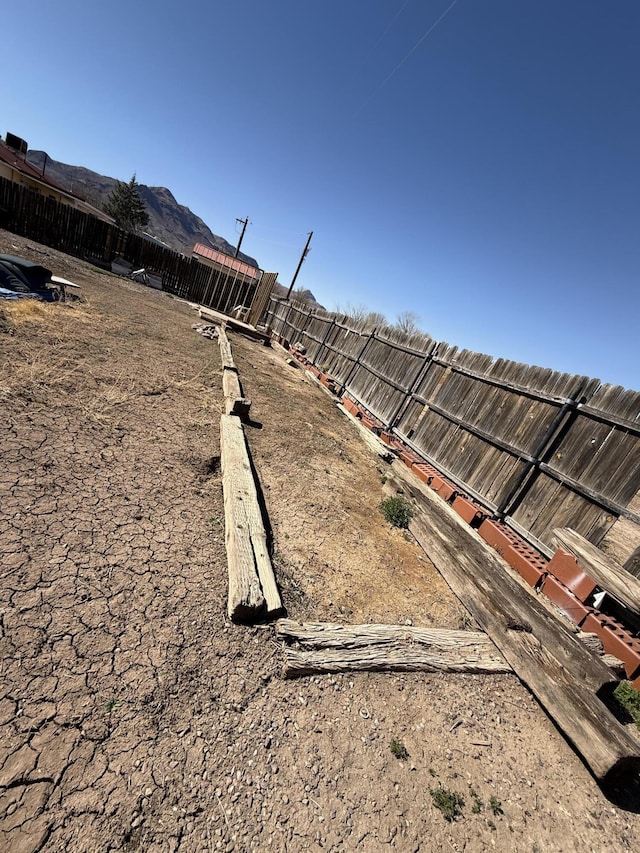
[(133, 715)]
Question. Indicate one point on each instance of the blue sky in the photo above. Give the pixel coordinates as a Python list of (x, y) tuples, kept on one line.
[(485, 175)]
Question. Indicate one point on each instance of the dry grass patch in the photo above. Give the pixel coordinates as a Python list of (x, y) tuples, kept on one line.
[(61, 354), (27, 310)]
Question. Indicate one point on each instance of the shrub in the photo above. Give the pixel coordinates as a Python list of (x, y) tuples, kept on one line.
[(399, 749), (397, 511), (449, 802), (627, 696), (477, 806), (496, 806)]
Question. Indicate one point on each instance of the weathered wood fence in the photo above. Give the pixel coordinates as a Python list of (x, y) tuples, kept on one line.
[(45, 220), (539, 448)]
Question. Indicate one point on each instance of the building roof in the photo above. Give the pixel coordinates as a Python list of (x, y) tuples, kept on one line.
[(19, 162), (228, 261)]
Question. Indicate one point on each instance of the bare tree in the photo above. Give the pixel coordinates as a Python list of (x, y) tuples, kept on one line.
[(407, 322), (361, 314)]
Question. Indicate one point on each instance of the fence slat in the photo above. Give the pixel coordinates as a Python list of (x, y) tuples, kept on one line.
[(543, 447)]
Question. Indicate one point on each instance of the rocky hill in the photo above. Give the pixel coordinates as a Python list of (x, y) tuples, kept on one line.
[(170, 222), (305, 295)]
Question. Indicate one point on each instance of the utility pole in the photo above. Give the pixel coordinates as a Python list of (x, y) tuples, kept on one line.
[(245, 222), (304, 254)]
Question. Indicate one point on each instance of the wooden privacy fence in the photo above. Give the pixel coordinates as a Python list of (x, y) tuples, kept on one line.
[(30, 214), (539, 448)]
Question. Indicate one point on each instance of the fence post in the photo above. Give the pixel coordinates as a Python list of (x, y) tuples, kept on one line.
[(305, 323), (324, 340), (270, 312), (558, 427), (284, 330), (356, 363), (304, 328), (207, 288), (397, 416)]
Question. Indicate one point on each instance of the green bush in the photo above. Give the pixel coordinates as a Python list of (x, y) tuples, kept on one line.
[(496, 806), (627, 696), (399, 749), (449, 802), (397, 511)]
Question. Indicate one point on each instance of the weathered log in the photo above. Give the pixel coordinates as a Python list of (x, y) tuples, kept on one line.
[(605, 571), (393, 656), (226, 355), (427, 648), (592, 642), (561, 673), (615, 665), (253, 591), (342, 648), (234, 402), (326, 635), (236, 325)]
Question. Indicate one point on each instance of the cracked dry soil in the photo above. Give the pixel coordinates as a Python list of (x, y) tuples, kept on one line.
[(133, 715)]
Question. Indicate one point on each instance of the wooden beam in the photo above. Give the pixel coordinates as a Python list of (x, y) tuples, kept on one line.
[(546, 656), (234, 324), (234, 402), (605, 571), (253, 591), (348, 648), (393, 657), (327, 635), (226, 355)]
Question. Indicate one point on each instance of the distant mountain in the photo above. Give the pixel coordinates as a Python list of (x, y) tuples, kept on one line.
[(302, 295), (170, 222)]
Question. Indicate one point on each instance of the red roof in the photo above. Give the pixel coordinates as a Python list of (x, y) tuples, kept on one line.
[(18, 162), (225, 260)]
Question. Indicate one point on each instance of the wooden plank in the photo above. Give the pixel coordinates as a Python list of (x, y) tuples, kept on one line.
[(252, 587), (394, 657), (226, 356), (327, 635), (236, 325), (605, 571), (348, 648), (489, 376), (624, 536), (544, 654), (331, 647), (261, 297), (234, 402)]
